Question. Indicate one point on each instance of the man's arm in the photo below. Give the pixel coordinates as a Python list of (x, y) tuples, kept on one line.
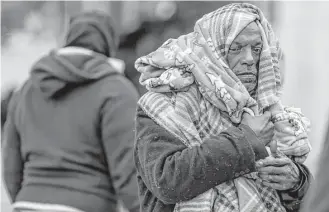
[(11, 155), (174, 173), (117, 123)]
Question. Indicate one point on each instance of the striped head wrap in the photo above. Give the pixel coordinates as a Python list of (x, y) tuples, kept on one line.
[(200, 58)]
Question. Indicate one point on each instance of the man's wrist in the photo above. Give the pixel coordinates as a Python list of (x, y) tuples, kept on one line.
[(292, 198), (257, 145), (299, 184)]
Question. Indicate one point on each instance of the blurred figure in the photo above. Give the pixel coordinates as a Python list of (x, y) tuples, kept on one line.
[(5, 99), (318, 196), (70, 128)]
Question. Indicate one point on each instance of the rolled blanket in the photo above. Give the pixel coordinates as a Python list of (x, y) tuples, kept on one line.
[(291, 128)]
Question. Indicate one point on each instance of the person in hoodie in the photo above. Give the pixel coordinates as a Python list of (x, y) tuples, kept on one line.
[(69, 134)]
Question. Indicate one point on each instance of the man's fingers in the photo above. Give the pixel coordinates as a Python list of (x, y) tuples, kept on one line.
[(266, 118), (274, 178), (277, 186), (271, 161), (274, 147), (270, 170), (267, 115)]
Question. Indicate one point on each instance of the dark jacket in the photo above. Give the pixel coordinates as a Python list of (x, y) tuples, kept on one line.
[(69, 135), (169, 172)]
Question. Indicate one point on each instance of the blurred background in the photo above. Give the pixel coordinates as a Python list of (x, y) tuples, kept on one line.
[(30, 29)]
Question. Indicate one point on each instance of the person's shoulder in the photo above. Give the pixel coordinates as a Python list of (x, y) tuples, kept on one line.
[(117, 84), (17, 92)]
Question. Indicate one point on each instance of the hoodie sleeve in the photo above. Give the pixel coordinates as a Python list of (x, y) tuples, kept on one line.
[(11, 155), (118, 113)]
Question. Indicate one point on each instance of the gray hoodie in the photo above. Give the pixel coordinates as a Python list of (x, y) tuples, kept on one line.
[(69, 134)]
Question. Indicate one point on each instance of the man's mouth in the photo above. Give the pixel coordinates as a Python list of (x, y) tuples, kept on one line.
[(247, 77), (246, 73)]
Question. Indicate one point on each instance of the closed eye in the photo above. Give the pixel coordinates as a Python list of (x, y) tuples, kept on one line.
[(235, 49)]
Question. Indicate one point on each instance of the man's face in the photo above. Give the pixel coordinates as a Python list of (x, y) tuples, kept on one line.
[(243, 56)]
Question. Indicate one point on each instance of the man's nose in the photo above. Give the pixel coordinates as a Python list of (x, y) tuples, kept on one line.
[(247, 57)]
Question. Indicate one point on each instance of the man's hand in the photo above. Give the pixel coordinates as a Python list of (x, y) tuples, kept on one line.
[(261, 125), (278, 172)]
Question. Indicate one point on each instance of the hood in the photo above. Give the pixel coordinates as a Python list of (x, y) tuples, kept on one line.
[(94, 30), (62, 70)]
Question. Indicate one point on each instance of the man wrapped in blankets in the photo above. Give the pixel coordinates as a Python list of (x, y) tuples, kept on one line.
[(212, 93)]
